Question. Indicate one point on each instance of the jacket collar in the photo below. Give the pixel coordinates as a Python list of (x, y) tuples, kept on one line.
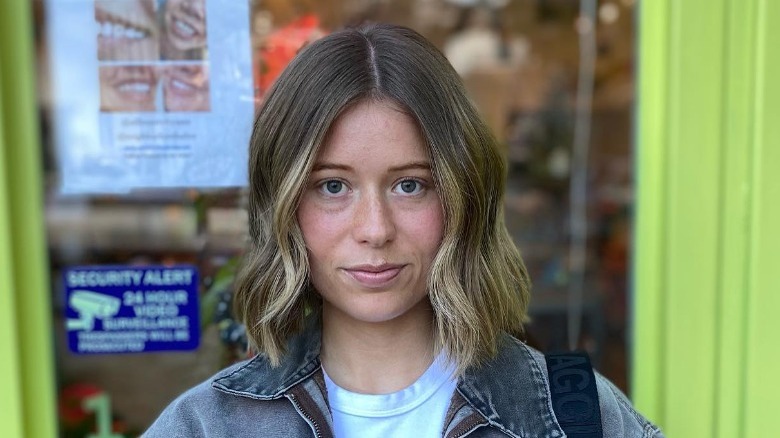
[(257, 379), (510, 391)]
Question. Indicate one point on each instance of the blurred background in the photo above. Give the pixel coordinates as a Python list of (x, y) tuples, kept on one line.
[(642, 192)]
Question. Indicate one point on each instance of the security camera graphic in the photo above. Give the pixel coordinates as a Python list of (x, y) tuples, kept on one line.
[(91, 305)]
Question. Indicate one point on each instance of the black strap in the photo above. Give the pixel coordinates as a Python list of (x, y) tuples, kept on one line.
[(575, 399)]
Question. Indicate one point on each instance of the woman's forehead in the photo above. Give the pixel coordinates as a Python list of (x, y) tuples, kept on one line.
[(370, 130)]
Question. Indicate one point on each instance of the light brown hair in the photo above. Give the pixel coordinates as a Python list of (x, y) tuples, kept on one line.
[(478, 286)]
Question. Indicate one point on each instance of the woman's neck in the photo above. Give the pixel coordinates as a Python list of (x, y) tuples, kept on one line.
[(377, 358)]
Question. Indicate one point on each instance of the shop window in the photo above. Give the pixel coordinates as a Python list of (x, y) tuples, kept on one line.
[(520, 62)]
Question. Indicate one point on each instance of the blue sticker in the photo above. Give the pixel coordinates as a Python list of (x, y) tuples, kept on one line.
[(131, 309)]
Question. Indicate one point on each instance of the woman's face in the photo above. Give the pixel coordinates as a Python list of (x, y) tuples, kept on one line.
[(186, 88), (370, 216), (127, 30), (185, 24), (127, 88)]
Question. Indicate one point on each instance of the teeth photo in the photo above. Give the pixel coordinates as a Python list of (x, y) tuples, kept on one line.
[(183, 29), (127, 30), (185, 88), (128, 88)]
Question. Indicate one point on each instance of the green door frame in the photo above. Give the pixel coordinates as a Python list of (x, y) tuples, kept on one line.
[(707, 214), (27, 406)]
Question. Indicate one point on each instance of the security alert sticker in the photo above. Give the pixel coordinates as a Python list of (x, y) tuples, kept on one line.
[(131, 309)]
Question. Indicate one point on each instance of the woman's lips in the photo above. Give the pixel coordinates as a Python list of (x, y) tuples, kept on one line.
[(183, 30), (111, 27), (374, 276), (118, 30), (186, 27), (181, 87)]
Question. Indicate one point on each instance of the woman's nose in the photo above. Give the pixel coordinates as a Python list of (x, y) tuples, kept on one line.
[(373, 221)]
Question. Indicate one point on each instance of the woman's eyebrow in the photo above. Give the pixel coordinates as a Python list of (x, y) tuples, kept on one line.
[(424, 165), (331, 166)]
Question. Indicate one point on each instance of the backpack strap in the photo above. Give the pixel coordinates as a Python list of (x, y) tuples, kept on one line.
[(575, 399)]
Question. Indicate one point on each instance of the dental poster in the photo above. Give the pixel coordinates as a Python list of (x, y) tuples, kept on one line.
[(131, 309), (150, 93)]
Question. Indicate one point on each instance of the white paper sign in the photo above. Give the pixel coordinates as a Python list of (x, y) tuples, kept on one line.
[(150, 93)]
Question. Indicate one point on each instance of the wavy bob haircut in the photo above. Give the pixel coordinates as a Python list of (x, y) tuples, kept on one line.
[(478, 286)]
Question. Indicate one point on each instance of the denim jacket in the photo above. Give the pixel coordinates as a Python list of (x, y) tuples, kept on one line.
[(508, 396)]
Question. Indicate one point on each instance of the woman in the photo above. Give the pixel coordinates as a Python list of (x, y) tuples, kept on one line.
[(184, 29), (381, 286)]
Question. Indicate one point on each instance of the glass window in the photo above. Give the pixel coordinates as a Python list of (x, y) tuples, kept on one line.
[(568, 205)]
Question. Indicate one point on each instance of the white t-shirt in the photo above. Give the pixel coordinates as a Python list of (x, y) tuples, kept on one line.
[(416, 411)]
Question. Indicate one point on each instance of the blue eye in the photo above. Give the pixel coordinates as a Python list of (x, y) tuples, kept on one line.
[(410, 186), (333, 187)]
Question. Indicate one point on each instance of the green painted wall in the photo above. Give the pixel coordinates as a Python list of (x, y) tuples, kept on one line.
[(708, 141), (26, 353)]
